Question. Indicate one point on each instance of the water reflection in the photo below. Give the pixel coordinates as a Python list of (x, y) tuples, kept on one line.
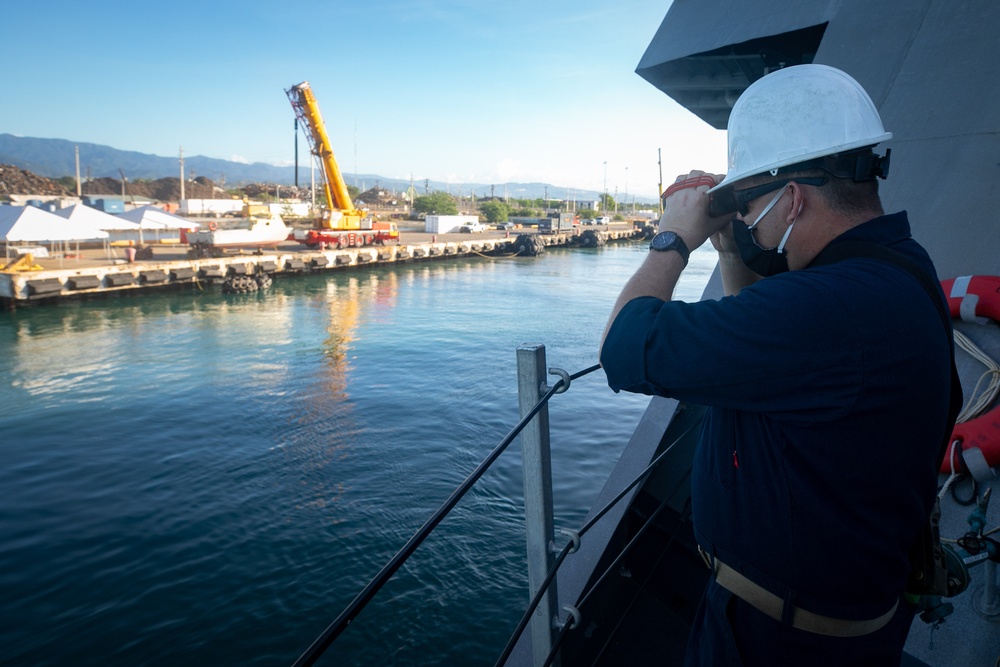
[(347, 301)]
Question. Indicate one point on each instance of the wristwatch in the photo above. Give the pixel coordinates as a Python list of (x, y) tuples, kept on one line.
[(665, 241)]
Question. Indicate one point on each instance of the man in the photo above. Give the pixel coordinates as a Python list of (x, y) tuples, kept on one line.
[(827, 379)]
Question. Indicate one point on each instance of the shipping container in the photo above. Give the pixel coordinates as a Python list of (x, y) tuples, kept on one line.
[(105, 204), (555, 224), (210, 207), (447, 224)]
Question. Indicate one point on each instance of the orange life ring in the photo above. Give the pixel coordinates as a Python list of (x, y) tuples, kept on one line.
[(212, 226), (972, 298)]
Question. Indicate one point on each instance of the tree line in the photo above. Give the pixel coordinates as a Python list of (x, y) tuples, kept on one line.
[(496, 210)]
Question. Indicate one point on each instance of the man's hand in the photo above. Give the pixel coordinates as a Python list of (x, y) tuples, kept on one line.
[(724, 241), (735, 274), (685, 212)]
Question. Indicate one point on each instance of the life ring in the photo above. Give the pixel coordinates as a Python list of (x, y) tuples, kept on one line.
[(973, 299), (213, 225)]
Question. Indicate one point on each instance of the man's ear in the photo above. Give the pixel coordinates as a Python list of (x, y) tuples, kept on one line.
[(798, 201)]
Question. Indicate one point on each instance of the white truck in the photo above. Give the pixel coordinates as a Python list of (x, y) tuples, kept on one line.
[(472, 227)]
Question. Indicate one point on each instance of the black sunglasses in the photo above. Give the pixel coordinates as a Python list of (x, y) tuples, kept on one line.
[(728, 200)]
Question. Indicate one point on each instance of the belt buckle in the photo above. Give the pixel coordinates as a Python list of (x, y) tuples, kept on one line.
[(706, 558)]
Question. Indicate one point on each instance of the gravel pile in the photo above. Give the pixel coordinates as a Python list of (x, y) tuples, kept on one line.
[(17, 181)]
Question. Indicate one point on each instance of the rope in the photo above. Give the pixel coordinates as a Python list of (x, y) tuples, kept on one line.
[(319, 646), (507, 256), (977, 404)]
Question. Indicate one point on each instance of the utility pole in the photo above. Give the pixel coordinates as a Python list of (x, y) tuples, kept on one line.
[(626, 190), (182, 173), (604, 200), (295, 129), (79, 191)]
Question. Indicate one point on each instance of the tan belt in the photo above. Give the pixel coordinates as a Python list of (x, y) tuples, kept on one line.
[(768, 603)]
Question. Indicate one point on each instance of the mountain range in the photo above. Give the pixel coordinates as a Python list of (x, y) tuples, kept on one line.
[(55, 158)]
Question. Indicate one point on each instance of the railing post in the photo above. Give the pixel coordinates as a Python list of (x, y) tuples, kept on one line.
[(537, 495), (985, 600)]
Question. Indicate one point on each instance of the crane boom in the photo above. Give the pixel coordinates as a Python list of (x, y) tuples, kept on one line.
[(342, 214)]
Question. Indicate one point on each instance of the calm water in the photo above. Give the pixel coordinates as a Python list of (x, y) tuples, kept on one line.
[(199, 478)]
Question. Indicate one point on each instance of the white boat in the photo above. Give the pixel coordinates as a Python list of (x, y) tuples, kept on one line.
[(255, 234)]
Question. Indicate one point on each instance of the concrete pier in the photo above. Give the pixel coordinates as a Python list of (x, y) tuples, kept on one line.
[(118, 276)]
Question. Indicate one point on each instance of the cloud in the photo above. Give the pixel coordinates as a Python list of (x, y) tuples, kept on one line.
[(240, 159)]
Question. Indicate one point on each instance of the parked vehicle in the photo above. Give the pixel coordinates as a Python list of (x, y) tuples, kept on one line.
[(472, 228)]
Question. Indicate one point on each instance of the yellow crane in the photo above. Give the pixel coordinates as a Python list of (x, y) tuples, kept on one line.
[(340, 214)]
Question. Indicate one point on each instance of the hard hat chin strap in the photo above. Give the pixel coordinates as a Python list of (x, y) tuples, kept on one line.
[(770, 205), (781, 246), (774, 200)]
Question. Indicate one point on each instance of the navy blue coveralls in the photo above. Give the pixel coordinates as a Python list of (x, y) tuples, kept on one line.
[(816, 466)]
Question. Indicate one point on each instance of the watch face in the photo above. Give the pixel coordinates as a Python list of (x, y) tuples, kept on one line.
[(664, 240), (670, 241)]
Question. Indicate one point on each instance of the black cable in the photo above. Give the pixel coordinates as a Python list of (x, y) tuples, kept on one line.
[(645, 582), (319, 646), (536, 600), (614, 564)]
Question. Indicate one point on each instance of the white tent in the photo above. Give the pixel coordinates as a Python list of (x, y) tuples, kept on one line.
[(151, 217), (21, 224), (28, 224), (117, 228), (155, 222), (85, 216)]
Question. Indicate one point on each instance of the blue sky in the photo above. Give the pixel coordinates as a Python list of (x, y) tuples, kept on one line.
[(453, 90)]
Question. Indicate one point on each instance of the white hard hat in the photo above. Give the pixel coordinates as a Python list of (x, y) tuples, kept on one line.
[(797, 114)]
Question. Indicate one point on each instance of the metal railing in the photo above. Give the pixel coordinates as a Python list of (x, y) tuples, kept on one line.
[(533, 397), (544, 559)]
